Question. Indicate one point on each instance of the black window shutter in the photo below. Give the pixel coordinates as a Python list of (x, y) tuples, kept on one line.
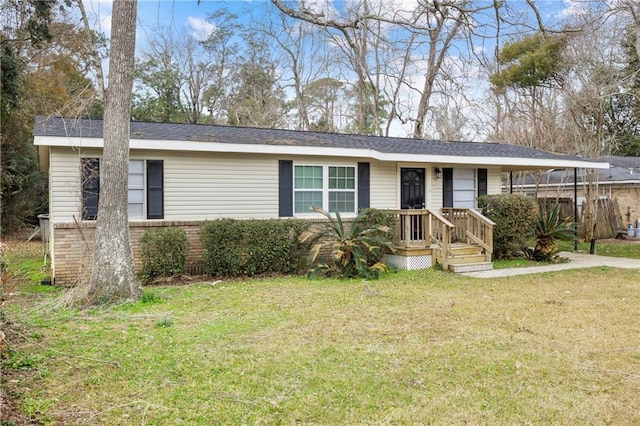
[(155, 189), (482, 182), (285, 190), (364, 191), (447, 187), (90, 187)]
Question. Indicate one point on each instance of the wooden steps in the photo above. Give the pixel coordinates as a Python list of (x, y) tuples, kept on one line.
[(471, 267), (466, 258)]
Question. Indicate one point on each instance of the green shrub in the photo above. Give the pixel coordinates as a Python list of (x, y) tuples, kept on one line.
[(514, 217), (250, 247), (164, 253), (549, 229), (353, 251), (380, 218)]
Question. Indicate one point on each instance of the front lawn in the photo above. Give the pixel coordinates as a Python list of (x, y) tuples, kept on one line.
[(424, 347)]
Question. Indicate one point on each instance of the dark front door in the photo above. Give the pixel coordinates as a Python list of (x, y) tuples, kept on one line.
[(412, 188)]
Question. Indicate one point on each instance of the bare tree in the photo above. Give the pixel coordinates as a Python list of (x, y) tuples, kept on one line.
[(595, 77), (387, 44), (351, 36), (296, 42)]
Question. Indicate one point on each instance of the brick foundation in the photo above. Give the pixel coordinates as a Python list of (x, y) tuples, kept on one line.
[(73, 247)]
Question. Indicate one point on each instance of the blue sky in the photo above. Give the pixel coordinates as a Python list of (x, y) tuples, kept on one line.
[(192, 14)]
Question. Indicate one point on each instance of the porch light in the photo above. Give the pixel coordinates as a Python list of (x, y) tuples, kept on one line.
[(437, 173)]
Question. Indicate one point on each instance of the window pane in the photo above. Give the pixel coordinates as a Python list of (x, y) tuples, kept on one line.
[(342, 202), (135, 211), (136, 181), (464, 199), (464, 174), (304, 200), (136, 196), (464, 184), (308, 177), (136, 166), (343, 178)]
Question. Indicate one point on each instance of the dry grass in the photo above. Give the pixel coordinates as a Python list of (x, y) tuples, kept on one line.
[(413, 348)]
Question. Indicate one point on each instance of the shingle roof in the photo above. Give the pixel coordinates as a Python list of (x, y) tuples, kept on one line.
[(89, 128)]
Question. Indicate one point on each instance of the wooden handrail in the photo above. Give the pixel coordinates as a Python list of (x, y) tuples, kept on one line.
[(447, 230), (472, 227), (480, 231), (441, 218), (420, 228), (480, 216)]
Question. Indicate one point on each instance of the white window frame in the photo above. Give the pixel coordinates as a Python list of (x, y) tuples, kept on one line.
[(140, 188), (325, 188)]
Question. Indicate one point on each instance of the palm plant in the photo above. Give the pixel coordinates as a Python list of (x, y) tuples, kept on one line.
[(549, 229), (348, 251)]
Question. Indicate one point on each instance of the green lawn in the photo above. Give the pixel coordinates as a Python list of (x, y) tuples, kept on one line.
[(617, 249), (412, 348)]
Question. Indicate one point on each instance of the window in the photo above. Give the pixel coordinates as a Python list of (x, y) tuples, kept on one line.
[(145, 189), (329, 187), (136, 189), (90, 187), (342, 189), (462, 186)]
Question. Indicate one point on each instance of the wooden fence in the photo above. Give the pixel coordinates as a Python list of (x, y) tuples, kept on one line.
[(607, 218)]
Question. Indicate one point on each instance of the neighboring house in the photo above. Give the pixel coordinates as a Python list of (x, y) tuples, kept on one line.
[(183, 174), (619, 182)]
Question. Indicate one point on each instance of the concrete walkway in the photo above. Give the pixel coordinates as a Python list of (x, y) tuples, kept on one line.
[(576, 261)]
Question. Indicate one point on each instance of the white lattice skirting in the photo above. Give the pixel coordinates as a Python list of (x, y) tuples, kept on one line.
[(410, 263)]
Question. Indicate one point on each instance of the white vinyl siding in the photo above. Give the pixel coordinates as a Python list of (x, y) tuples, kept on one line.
[(383, 185), (435, 189), (199, 186), (65, 183)]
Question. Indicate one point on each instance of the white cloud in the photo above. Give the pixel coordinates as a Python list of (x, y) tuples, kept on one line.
[(99, 14), (572, 8), (200, 28)]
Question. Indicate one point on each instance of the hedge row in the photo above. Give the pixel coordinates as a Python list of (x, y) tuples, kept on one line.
[(249, 247), (231, 248)]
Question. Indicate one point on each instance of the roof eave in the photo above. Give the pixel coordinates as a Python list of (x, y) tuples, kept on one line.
[(514, 163)]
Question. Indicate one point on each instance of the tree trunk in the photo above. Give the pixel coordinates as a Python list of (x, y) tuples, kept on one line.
[(113, 279)]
